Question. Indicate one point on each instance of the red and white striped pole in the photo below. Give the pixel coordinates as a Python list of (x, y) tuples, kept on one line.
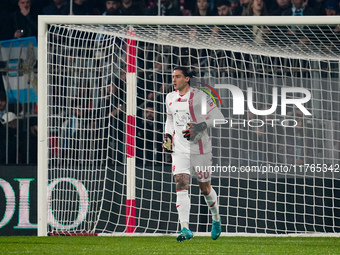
[(131, 88)]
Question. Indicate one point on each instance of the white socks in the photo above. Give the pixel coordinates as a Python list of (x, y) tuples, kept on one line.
[(211, 200), (183, 207)]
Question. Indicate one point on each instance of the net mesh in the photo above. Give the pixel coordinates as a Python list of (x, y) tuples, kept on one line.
[(273, 174), (311, 42)]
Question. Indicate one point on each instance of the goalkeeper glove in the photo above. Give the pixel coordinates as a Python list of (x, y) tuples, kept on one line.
[(167, 143), (194, 131)]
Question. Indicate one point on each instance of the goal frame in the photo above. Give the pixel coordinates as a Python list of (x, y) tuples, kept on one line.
[(44, 21)]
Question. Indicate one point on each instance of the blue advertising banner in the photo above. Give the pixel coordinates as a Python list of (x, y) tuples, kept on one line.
[(20, 56)]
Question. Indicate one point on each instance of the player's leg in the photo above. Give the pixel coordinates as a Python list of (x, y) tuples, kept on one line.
[(183, 205), (181, 171), (203, 176), (210, 197), (183, 200)]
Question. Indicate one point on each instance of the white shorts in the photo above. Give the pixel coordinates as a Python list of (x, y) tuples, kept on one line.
[(194, 165)]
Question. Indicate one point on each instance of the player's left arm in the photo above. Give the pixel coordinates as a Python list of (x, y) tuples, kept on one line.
[(213, 115), (195, 130), (169, 129)]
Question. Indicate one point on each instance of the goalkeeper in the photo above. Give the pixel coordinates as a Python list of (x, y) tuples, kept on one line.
[(187, 138)]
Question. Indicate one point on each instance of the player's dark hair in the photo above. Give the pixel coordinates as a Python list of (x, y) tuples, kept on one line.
[(186, 71)]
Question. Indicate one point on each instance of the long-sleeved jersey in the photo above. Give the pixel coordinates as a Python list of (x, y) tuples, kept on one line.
[(188, 108)]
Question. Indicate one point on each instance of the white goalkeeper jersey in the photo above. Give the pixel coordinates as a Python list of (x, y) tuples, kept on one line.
[(188, 108)]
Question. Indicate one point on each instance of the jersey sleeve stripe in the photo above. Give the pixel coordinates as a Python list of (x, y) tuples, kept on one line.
[(192, 113)]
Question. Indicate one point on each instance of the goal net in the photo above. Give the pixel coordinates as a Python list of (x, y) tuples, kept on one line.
[(102, 88)]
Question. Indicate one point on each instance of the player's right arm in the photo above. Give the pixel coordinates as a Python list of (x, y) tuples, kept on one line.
[(169, 128)]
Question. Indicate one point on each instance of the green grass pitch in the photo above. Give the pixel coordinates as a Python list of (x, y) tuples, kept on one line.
[(168, 245)]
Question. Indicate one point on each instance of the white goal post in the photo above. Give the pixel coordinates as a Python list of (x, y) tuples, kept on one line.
[(102, 82)]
